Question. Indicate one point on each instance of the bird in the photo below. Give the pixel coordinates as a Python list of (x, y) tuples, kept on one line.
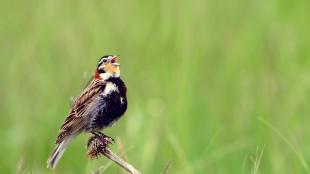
[(98, 106)]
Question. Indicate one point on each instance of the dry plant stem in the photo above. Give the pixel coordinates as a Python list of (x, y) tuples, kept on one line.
[(112, 156), (99, 145)]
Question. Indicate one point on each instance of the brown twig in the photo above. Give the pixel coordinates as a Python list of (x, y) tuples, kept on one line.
[(98, 145)]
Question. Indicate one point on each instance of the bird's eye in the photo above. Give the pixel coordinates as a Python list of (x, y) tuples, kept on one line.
[(104, 60)]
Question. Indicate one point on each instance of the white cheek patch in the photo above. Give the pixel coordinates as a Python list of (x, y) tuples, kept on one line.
[(105, 76), (109, 88)]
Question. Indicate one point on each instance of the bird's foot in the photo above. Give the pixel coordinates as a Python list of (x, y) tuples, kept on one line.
[(98, 144), (104, 138)]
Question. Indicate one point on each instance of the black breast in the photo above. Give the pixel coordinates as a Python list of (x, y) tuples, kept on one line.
[(112, 105)]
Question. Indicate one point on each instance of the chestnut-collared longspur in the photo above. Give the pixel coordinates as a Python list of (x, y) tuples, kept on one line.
[(98, 106)]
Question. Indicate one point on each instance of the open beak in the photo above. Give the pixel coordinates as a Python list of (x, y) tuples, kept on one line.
[(114, 61)]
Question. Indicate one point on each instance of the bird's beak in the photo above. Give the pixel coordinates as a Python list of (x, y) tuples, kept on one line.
[(114, 61)]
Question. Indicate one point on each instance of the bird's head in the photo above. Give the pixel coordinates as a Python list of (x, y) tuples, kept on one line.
[(107, 67)]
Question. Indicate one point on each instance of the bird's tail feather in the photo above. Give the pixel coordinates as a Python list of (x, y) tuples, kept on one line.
[(58, 152)]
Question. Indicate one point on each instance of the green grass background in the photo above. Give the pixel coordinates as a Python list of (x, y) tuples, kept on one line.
[(213, 86)]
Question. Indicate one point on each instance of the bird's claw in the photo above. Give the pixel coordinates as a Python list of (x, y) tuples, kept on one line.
[(104, 138), (108, 140)]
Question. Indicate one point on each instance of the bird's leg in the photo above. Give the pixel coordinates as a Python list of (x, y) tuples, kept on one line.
[(106, 136), (103, 137), (96, 134)]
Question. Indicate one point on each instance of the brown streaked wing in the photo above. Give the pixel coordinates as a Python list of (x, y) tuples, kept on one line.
[(76, 120)]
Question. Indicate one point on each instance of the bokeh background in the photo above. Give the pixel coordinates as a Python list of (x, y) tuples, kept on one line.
[(213, 86)]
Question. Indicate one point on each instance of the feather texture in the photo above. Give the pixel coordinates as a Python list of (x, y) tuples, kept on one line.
[(99, 105), (77, 119), (58, 151)]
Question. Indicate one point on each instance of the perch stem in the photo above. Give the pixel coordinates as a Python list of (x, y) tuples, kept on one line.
[(112, 156)]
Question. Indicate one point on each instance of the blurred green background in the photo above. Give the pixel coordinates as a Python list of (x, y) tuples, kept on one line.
[(213, 86)]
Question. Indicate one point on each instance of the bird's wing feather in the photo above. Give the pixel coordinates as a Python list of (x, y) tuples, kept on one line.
[(76, 120)]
